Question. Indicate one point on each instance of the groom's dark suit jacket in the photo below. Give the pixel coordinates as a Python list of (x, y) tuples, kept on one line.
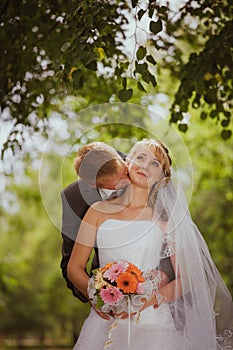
[(76, 199)]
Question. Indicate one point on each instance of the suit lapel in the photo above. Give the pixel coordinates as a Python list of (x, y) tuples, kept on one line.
[(89, 194)]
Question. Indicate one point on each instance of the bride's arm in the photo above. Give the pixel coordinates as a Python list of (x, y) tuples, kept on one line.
[(168, 292), (82, 250), (172, 290)]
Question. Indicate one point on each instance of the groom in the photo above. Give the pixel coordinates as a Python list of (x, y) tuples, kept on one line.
[(102, 171)]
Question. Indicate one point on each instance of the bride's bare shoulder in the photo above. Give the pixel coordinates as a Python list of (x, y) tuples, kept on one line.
[(103, 205), (96, 204)]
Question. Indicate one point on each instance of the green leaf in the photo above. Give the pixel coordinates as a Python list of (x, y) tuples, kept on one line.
[(163, 10), (151, 11), (183, 127), (227, 114), (203, 115), (197, 100), (141, 14), (124, 83), (226, 134), (141, 67), (156, 27), (125, 94), (151, 60), (118, 71), (141, 53), (141, 87), (225, 122), (213, 113), (184, 105), (99, 302), (134, 3), (175, 116), (149, 78), (210, 97), (78, 79), (145, 77), (92, 65), (152, 80)]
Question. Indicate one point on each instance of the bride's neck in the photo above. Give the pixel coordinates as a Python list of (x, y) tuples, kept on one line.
[(136, 197)]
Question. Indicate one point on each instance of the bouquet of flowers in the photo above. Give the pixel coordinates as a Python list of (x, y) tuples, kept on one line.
[(119, 286)]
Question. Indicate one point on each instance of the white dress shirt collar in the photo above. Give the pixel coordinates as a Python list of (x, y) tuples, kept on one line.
[(105, 193)]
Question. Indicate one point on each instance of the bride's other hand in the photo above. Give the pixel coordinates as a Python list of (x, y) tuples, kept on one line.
[(163, 279), (124, 315), (149, 302), (103, 315)]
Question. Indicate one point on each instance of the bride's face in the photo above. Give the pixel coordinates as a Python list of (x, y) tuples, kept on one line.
[(144, 168)]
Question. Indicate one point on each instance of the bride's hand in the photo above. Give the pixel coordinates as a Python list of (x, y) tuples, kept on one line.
[(163, 279), (121, 315), (124, 315), (103, 315), (149, 302)]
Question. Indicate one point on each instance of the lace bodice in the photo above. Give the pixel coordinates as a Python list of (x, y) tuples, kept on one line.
[(139, 242)]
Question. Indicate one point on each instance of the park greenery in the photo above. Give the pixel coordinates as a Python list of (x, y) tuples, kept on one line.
[(34, 299), (59, 60), (51, 49)]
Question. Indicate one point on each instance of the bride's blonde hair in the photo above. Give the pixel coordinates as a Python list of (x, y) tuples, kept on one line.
[(162, 154)]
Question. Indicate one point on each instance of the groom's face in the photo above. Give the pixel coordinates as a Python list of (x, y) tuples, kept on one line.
[(117, 180)]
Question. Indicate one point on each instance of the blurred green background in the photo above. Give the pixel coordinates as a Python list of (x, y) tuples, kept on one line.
[(35, 305), (61, 59)]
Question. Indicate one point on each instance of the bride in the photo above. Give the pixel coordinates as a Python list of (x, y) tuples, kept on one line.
[(148, 222)]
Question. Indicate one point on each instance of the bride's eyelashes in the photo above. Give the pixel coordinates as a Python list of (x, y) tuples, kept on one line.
[(142, 158)]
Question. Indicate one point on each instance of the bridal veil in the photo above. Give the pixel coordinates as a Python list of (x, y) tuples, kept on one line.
[(202, 308)]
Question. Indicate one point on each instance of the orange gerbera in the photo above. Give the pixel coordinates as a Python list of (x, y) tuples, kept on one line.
[(134, 270), (106, 267), (127, 282)]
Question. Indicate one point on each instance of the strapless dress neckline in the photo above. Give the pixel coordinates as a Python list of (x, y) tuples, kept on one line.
[(130, 222)]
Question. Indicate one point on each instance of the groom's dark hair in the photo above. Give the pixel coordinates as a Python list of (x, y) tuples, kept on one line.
[(95, 161)]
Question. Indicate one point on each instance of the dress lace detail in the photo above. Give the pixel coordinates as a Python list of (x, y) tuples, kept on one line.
[(225, 339), (169, 247)]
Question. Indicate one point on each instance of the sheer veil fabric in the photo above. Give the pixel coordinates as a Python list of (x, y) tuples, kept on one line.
[(203, 308)]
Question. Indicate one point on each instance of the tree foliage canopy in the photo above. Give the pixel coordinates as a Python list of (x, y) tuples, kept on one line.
[(54, 48)]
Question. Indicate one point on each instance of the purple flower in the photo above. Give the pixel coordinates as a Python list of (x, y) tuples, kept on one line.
[(115, 270), (111, 295)]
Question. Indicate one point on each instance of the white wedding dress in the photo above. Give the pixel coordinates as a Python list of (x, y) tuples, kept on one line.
[(138, 242)]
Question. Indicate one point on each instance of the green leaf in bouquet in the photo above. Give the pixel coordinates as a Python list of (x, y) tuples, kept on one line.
[(99, 302), (95, 270)]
